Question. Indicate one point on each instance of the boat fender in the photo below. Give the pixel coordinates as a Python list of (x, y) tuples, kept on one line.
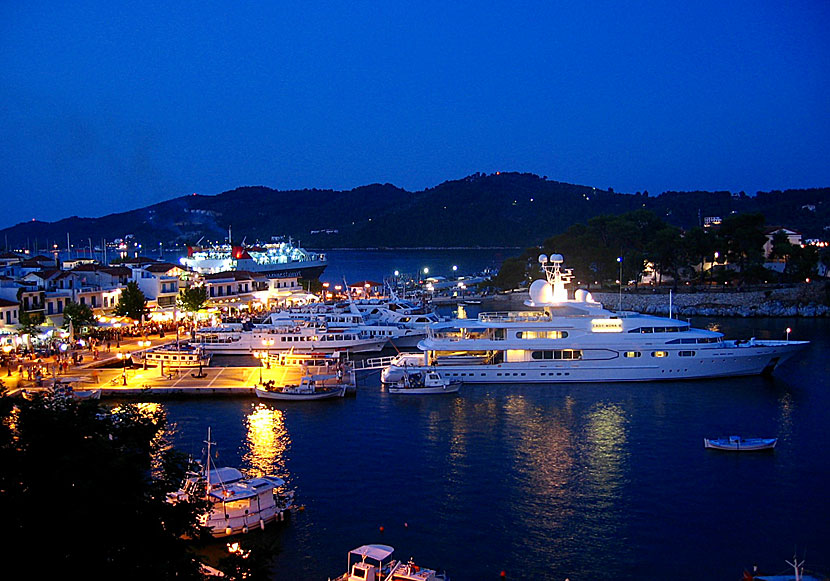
[(245, 529), (228, 531), (261, 524)]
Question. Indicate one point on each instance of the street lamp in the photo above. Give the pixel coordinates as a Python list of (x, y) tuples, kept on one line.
[(144, 344), (620, 260), (788, 333), (123, 357), (258, 355)]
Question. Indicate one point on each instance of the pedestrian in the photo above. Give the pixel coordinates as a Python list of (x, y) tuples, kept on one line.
[(109, 345)]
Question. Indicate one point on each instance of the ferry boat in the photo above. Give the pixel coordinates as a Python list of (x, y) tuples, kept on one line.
[(275, 259), (237, 504), (576, 340)]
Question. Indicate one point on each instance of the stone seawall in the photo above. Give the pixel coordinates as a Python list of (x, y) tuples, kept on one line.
[(806, 300)]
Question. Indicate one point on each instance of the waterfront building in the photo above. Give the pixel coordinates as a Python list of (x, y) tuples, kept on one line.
[(9, 314)]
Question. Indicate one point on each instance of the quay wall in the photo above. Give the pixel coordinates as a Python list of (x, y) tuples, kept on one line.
[(805, 300)]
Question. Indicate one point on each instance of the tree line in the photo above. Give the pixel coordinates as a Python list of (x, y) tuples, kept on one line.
[(608, 248)]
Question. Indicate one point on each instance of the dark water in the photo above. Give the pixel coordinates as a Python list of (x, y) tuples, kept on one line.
[(549, 481), (376, 265)]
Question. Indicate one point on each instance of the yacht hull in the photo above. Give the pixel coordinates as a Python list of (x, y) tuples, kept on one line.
[(762, 357)]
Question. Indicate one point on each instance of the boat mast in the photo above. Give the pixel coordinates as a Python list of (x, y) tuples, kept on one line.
[(207, 464)]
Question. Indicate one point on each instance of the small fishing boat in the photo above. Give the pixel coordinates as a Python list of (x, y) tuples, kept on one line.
[(424, 382), (374, 563), (63, 387), (238, 504), (738, 444), (311, 387), (798, 574)]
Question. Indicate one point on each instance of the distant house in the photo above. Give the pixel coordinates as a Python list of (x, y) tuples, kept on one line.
[(710, 221), (9, 313), (159, 281), (793, 237)]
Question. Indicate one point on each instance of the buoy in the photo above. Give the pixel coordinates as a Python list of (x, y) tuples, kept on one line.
[(262, 524), (381, 528), (503, 574)]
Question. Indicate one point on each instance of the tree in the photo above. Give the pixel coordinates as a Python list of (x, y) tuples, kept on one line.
[(81, 315), (700, 247), (132, 302), (192, 299), (107, 473), (744, 238), (29, 322)]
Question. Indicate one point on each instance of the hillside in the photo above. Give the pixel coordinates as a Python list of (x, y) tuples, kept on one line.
[(507, 209)]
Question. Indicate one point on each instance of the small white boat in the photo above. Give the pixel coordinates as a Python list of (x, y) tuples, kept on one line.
[(374, 563), (311, 387), (738, 444), (798, 574), (238, 504), (424, 382)]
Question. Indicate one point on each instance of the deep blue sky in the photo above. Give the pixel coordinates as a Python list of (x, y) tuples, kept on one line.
[(105, 108)]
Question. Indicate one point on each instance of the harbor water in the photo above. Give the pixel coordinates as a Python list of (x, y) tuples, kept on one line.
[(584, 481)]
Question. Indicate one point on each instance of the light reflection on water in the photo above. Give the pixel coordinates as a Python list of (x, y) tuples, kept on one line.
[(600, 481), (267, 442)]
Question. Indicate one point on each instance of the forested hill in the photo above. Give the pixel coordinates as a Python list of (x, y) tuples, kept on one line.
[(506, 209)]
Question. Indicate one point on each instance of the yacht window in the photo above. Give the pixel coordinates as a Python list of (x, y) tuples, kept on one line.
[(632, 354), (686, 353), (659, 353), (541, 334)]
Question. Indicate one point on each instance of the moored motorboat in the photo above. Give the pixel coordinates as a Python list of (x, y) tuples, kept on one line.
[(311, 387), (375, 563), (423, 382), (237, 504), (798, 574), (738, 444)]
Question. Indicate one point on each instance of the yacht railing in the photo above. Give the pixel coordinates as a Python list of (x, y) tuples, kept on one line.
[(513, 317)]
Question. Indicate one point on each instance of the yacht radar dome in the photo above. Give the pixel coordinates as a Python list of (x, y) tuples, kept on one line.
[(557, 258), (543, 258)]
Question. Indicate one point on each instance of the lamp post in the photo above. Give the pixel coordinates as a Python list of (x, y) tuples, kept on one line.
[(620, 260), (788, 333), (123, 357), (7, 349), (144, 344), (258, 355)]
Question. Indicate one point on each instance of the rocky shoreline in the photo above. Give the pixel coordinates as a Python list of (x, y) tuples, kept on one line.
[(805, 300)]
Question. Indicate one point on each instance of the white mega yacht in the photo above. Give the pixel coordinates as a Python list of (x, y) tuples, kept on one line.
[(577, 340)]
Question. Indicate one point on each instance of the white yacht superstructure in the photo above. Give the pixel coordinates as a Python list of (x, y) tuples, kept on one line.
[(577, 340), (299, 337)]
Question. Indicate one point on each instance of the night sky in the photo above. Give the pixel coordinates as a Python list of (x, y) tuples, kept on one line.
[(105, 107)]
